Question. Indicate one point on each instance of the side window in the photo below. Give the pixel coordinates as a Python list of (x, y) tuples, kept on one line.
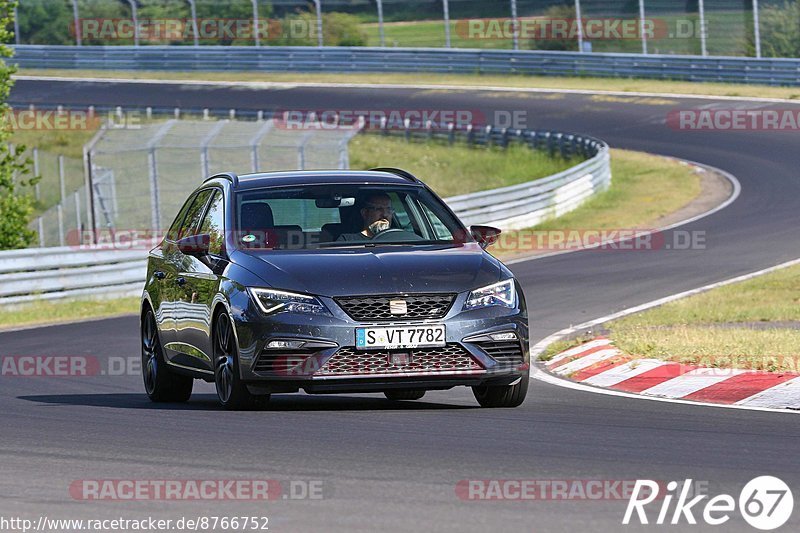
[(400, 212), (192, 220), (175, 229), (442, 233), (214, 224)]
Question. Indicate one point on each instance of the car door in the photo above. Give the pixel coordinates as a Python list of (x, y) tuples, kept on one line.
[(199, 282), (174, 292), (161, 276)]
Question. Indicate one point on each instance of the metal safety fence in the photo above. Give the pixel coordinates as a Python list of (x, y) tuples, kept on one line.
[(701, 27), (388, 60), (93, 272), (135, 176)]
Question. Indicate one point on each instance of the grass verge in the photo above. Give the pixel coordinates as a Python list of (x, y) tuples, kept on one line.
[(458, 169), (37, 313), (754, 324), (644, 188), (513, 81)]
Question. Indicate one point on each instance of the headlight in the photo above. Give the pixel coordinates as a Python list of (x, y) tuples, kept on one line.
[(272, 301), (501, 294)]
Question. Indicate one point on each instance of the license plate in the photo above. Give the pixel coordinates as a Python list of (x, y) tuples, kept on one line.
[(400, 337)]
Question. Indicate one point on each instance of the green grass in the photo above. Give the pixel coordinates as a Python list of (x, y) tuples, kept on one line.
[(44, 312), (427, 33), (457, 169), (725, 326), (51, 144), (727, 33), (644, 188), (459, 80)]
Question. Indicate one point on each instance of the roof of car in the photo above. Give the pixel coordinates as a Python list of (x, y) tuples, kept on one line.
[(318, 177)]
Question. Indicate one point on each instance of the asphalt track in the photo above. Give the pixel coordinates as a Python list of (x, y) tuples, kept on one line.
[(395, 468)]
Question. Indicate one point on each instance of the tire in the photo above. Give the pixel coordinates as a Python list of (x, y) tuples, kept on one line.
[(398, 395), (231, 391), (160, 383), (502, 395)]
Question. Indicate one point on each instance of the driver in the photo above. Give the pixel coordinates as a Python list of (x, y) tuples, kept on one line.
[(377, 215)]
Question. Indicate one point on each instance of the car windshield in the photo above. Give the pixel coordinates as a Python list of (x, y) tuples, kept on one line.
[(333, 216)]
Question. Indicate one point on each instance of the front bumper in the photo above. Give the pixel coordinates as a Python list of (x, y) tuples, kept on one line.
[(328, 362)]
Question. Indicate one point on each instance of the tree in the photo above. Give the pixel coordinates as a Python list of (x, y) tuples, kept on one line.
[(780, 31), (558, 12), (16, 202)]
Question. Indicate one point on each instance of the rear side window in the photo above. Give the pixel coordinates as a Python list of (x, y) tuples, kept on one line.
[(192, 221), (214, 224), (175, 229)]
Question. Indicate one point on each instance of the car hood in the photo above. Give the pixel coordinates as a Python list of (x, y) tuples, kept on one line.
[(381, 270)]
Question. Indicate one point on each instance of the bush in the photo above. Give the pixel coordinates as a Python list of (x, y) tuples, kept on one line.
[(338, 29), (16, 204), (557, 12), (780, 31)]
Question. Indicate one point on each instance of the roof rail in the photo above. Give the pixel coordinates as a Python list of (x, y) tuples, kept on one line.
[(398, 172), (230, 176)]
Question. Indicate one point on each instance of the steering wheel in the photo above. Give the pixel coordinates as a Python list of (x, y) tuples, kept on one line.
[(395, 232)]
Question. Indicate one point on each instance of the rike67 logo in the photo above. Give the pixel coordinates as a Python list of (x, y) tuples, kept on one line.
[(766, 503)]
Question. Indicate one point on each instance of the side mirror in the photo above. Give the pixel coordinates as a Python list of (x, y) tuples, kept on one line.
[(195, 245), (485, 235)]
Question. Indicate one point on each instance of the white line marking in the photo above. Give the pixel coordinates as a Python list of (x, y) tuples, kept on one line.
[(690, 382), (539, 374), (422, 86), (787, 394), (619, 374), (578, 350), (587, 361), (540, 346), (537, 349)]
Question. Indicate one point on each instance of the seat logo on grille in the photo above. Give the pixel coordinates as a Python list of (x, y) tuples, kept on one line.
[(398, 307)]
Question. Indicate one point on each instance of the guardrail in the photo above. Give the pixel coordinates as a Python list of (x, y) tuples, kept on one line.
[(777, 71), (65, 272), (526, 204)]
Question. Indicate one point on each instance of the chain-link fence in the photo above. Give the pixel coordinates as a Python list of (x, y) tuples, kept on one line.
[(696, 27), (141, 175)]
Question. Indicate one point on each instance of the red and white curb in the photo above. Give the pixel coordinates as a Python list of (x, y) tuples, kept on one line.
[(601, 364)]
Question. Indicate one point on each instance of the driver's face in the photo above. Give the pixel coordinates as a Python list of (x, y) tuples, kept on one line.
[(377, 209)]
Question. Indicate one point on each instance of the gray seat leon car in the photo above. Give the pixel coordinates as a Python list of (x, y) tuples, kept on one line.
[(329, 282)]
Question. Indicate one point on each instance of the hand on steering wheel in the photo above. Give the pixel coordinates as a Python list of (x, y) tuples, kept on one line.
[(390, 231)]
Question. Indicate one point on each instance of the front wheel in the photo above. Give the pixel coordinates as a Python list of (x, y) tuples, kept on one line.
[(160, 384), (502, 395), (231, 391)]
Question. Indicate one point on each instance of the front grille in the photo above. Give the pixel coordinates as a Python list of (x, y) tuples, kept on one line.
[(284, 364), (504, 352), (419, 306), (450, 358)]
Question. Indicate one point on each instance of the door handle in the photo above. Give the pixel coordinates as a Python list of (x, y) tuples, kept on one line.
[(181, 281), (159, 275)]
